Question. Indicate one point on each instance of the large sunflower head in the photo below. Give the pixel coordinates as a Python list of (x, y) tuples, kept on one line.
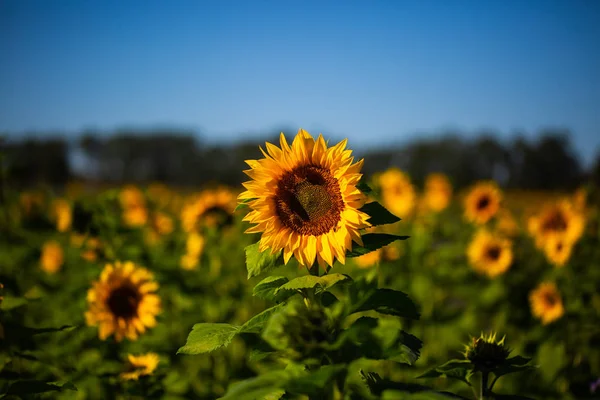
[(212, 208), (141, 365), (438, 192), (490, 254), (304, 200), (397, 192), (482, 202), (122, 302), (546, 303), (558, 219)]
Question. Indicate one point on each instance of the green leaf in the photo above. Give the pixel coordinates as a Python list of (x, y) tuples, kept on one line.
[(258, 387), (314, 383), (390, 302), (207, 337), (372, 242), (378, 386), (379, 215), (26, 387), (266, 289), (322, 283), (258, 262), (257, 323), (510, 397), (363, 187), (11, 302), (453, 369)]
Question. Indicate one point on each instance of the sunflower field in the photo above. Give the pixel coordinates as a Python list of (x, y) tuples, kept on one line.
[(310, 281)]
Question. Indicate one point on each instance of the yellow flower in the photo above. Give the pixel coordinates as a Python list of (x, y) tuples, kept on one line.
[(490, 254), (506, 223), (558, 219), (162, 223), (558, 250), (52, 257), (546, 303), (90, 246), (131, 197), (63, 214), (305, 201), (438, 192), (369, 259), (397, 192), (194, 244), (482, 202), (135, 216), (141, 365), (189, 261), (580, 199), (212, 208), (122, 302)]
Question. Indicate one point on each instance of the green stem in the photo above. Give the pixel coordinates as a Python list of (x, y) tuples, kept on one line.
[(484, 385)]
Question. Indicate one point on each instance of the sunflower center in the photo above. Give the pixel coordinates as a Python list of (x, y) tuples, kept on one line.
[(550, 299), (217, 216), (309, 201), (483, 202), (493, 253), (556, 223), (123, 302)]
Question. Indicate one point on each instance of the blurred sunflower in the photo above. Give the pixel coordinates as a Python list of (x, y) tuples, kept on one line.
[(506, 223), (558, 219), (89, 246), (397, 192), (31, 203), (63, 215), (141, 365), (546, 303), (482, 202), (558, 250), (580, 199), (122, 302), (194, 246), (305, 201), (438, 192), (213, 208), (369, 259), (490, 254), (52, 257), (133, 203)]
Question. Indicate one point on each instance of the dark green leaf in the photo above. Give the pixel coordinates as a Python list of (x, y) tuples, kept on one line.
[(453, 369), (391, 302), (257, 388), (257, 323), (242, 204), (379, 215), (258, 262), (34, 386), (310, 281), (266, 288), (363, 187), (10, 302), (314, 383), (206, 337), (372, 242)]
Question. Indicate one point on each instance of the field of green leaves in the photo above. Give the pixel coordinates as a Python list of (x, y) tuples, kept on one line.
[(151, 292)]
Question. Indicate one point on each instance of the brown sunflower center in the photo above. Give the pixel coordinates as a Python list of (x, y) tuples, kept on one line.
[(123, 302), (493, 253), (309, 201), (217, 216), (556, 222), (483, 202), (550, 299)]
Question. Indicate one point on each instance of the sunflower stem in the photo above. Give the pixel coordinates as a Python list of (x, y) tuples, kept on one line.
[(484, 385), (314, 269)]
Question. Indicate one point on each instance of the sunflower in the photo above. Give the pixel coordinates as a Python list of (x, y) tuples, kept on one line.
[(490, 254), (558, 219), (369, 259), (90, 247), (213, 208), (482, 202), (438, 192), (194, 247), (52, 257), (305, 201), (141, 365), (546, 303), (558, 250), (63, 214), (133, 203), (122, 302), (397, 192)]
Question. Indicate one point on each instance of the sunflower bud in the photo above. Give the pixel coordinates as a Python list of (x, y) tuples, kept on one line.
[(300, 331), (486, 353)]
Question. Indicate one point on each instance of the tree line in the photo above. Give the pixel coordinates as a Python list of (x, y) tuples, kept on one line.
[(182, 158)]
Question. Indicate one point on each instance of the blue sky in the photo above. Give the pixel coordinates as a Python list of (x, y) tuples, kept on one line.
[(374, 71)]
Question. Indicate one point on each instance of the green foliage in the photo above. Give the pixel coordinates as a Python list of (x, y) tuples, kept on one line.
[(387, 301), (206, 337), (319, 283), (258, 262), (379, 215), (372, 242)]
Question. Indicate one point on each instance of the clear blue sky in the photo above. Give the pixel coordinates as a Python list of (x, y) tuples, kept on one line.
[(374, 71)]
